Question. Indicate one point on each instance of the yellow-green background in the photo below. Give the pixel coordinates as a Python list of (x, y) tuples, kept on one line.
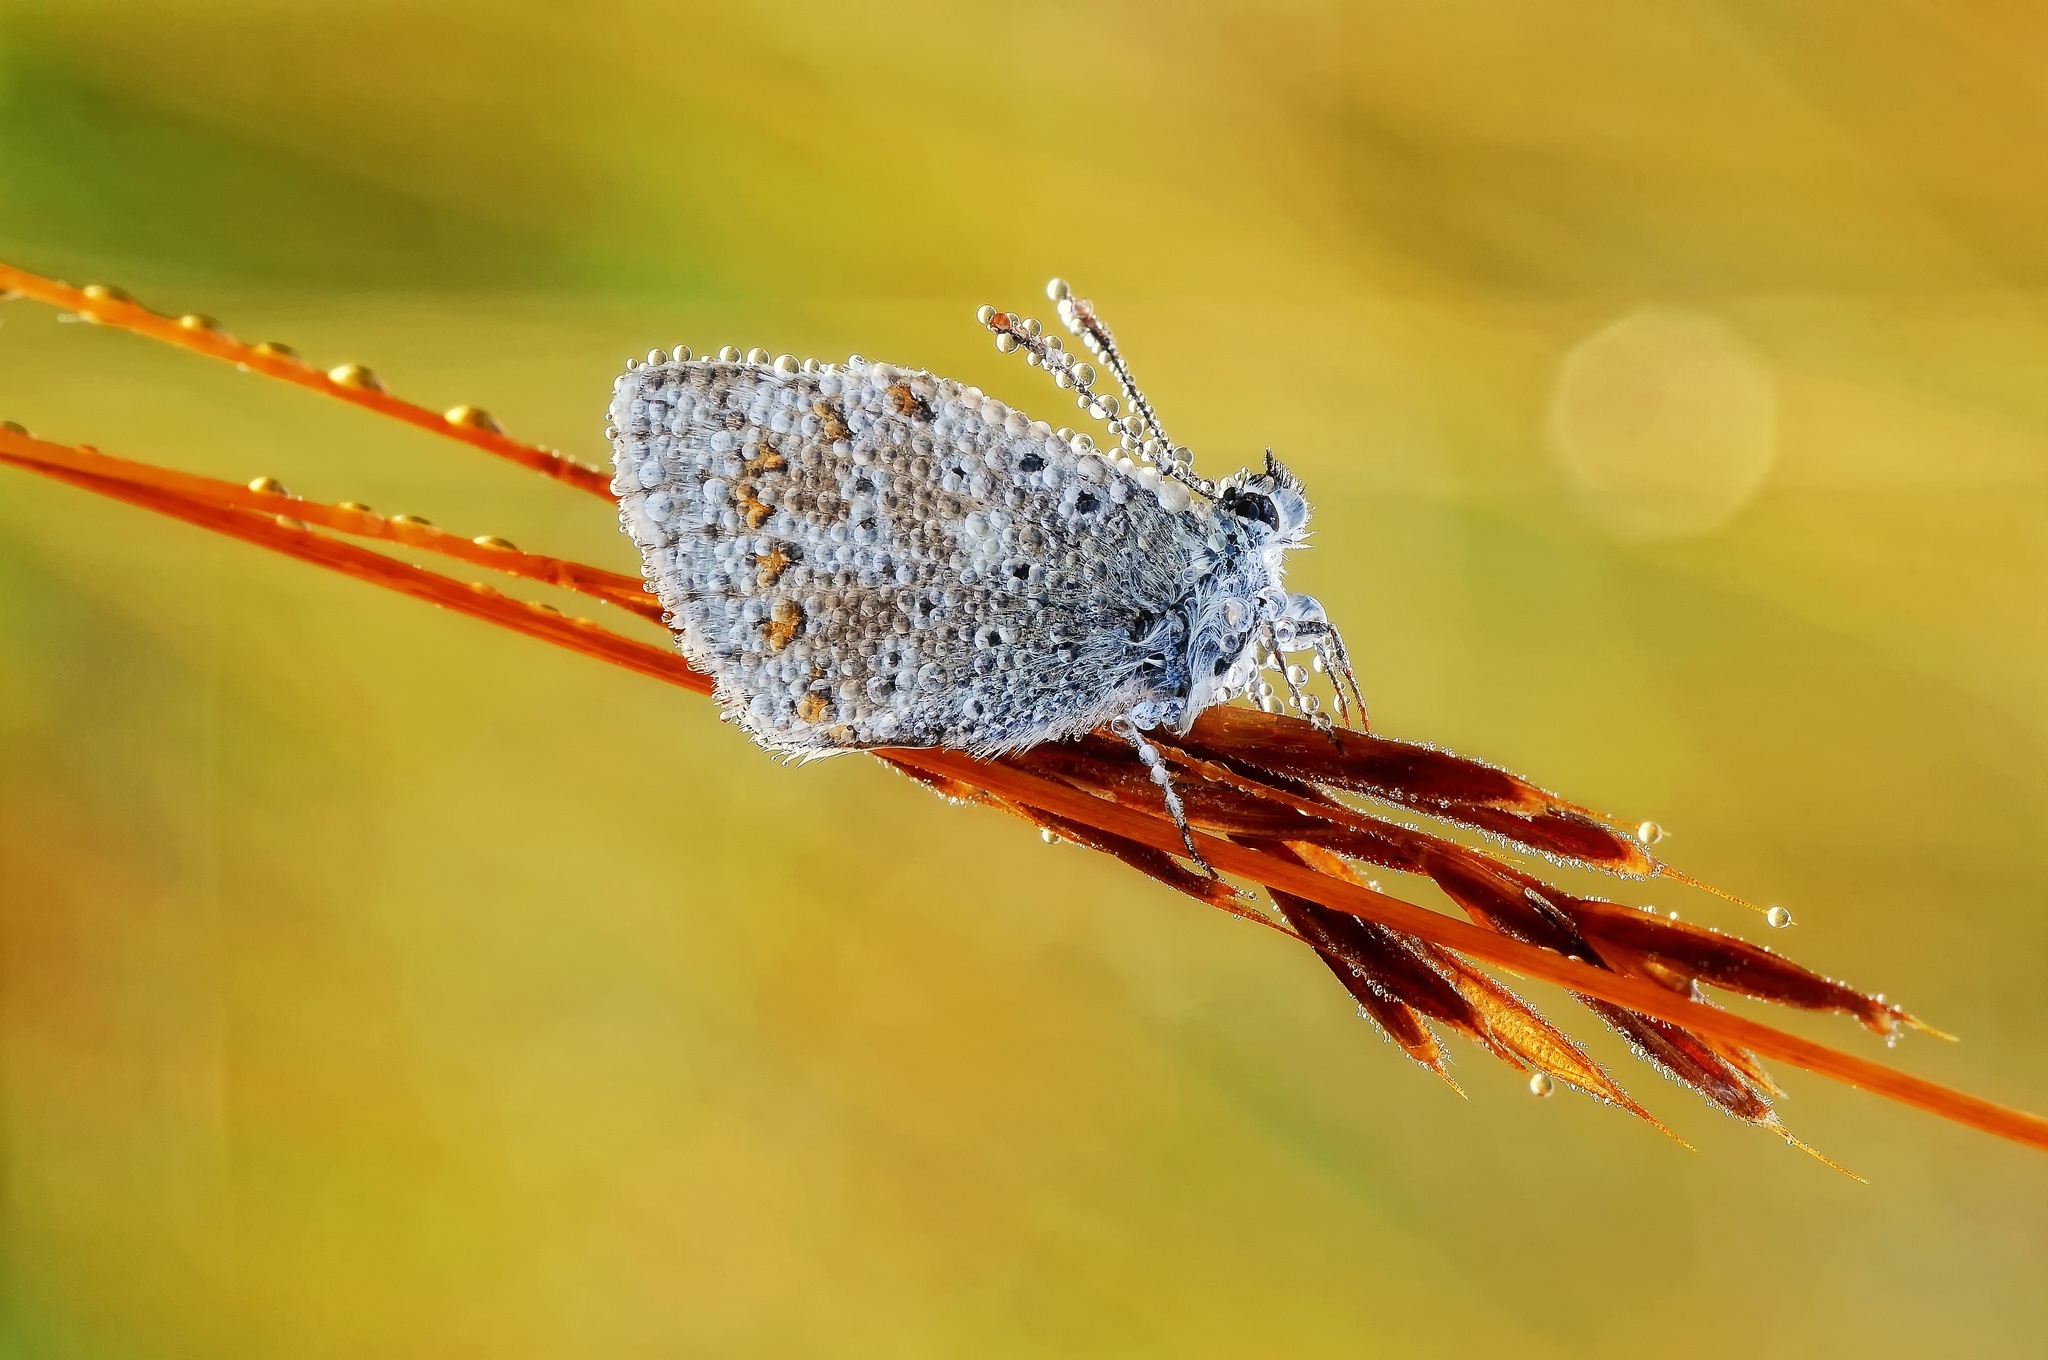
[(376, 984)]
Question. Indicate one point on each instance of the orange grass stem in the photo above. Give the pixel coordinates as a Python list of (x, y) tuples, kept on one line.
[(111, 307), (615, 588), (1063, 800), (478, 600)]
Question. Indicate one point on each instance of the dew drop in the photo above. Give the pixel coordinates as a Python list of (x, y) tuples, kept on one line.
[(1778, 918), (472, 418), (1540, 1084), (1649, 833), (356, 377)]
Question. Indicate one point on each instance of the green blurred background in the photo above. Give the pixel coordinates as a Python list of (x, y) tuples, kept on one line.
[(1673, 384)]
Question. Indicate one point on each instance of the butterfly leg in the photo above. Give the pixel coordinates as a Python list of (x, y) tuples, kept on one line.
[(1312, 632), (1278, 637), (1155, 765), (1336, 662)]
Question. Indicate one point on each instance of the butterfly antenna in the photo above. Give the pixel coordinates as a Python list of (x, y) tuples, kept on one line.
[(1138, 433), (1079, 316)]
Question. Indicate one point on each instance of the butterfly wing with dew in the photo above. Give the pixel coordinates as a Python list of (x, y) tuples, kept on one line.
[(865, 556)]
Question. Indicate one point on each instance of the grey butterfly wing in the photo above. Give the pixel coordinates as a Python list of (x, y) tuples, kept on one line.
[(870, 556)]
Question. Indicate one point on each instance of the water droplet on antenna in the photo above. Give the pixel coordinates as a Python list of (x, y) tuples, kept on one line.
[(1540, 1084)]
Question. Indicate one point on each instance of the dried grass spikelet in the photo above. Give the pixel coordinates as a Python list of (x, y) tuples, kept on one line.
[(1265, 794)]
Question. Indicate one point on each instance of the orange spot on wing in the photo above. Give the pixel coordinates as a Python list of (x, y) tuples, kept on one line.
[(770, 565), (831, 421), (905, 402), (752, 508), (784, 622)]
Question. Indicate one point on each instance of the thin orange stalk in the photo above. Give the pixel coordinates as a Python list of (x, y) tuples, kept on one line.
[(350, 383), (615, 588)]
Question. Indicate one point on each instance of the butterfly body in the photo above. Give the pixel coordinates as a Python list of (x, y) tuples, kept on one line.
[(862, 555)]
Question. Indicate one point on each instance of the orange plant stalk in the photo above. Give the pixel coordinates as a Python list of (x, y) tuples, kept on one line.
[(1262, 794)]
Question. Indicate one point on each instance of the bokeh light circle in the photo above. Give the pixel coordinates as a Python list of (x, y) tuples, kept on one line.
[(1664, 423)]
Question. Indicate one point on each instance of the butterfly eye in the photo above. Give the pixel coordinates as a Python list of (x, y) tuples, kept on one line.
[(1252, 506)]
